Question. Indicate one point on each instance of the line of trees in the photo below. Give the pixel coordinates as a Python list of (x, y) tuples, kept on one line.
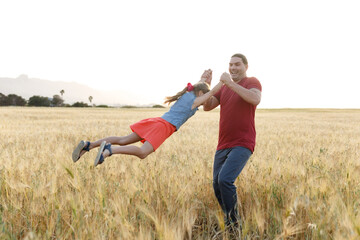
[(11, 100), (40, 101), (55, 101)]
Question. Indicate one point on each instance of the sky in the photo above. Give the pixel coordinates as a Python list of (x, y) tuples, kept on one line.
[(305, 53)]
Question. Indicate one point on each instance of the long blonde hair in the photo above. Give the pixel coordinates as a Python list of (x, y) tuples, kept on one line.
[(200, 86)]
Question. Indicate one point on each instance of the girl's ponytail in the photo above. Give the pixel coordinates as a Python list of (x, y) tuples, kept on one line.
[(200, 86), (171, 99)]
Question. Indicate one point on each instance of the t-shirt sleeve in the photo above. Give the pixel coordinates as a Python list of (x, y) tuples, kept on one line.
[(217, 95), (254, 83)]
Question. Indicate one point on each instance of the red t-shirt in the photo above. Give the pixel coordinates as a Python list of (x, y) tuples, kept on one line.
[(237, 123)]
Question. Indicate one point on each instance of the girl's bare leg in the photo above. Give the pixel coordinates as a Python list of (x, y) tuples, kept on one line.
[(140, 152), (124, 140)]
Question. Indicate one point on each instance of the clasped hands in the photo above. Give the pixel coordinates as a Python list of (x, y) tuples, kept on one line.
[(207, 77), (225, 78)]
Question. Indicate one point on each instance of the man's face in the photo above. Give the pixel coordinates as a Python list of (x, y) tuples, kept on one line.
[(237, 68)]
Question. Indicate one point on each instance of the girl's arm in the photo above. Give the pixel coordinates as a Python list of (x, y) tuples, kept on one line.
[(203, 98)]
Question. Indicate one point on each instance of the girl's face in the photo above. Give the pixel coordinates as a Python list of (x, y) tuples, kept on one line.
[(199, 93)]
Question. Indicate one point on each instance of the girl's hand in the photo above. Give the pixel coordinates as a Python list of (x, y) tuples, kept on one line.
[(206, 76)]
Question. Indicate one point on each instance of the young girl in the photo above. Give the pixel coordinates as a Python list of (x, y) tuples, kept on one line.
[(152, 131)]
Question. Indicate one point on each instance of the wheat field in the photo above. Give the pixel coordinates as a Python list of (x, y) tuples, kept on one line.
[(302, 182)]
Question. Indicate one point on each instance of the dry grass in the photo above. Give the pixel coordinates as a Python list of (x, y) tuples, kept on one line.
[(301, 183)]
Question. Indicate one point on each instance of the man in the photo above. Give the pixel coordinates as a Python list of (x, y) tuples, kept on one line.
[(238, 99)]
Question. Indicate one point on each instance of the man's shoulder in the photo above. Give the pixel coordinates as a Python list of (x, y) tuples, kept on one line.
[(252, 82), (251, 79)]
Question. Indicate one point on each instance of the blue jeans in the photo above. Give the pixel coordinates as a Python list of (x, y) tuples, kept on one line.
[(228, 164)]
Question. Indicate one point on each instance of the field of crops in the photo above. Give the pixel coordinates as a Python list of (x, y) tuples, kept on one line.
[(302, 181)]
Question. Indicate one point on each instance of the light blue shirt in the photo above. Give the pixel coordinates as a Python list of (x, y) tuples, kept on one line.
[(181, 111)]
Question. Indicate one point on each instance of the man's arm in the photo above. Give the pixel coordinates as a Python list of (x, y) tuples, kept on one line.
[(252, 96), (211, 103)]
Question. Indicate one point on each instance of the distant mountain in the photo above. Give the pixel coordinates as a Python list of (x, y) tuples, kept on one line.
[(74, 92)]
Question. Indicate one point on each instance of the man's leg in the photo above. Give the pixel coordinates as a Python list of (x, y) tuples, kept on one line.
[(219, 160), (234, 163)]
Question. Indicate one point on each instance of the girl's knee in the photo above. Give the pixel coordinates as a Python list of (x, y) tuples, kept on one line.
[(145, 150), (143, 154)]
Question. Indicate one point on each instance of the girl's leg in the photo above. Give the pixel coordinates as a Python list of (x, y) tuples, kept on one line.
[(141, 152), (124, 140)]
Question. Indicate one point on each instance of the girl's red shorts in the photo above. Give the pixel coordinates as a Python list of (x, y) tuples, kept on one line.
[(153, 130)]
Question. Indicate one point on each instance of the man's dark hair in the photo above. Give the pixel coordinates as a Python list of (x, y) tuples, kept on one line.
[(239, 55)]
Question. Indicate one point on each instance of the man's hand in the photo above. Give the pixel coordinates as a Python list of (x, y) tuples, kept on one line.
[(226, 78), (206, 76), (252, 95)]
